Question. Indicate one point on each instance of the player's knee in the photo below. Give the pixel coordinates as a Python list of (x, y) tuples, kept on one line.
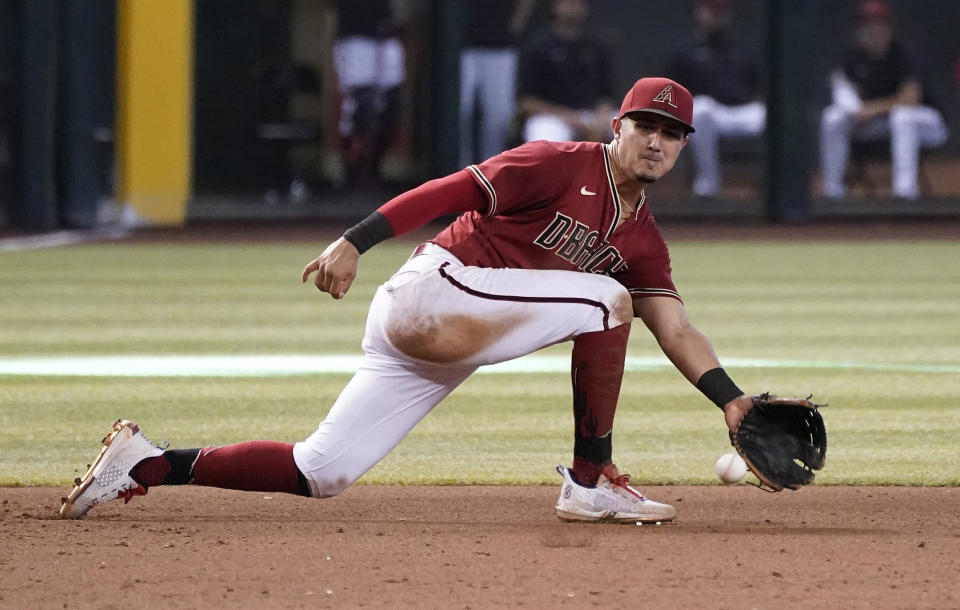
[(835, 117), (327, 487), (901, 116), (704, 106)]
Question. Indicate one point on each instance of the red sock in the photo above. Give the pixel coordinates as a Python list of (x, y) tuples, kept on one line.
[(151, 471), (249, 466), (597, 372)]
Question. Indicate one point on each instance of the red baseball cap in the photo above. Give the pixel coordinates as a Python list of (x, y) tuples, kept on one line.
[(874, 10), (660, 96)]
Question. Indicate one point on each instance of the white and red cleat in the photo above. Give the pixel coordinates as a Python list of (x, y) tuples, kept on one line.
[(611, 500), (108, 478)]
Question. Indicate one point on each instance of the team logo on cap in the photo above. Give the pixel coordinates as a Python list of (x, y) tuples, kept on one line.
[(666, 96)]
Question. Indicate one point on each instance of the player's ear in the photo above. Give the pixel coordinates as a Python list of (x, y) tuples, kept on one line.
[(616, 125)]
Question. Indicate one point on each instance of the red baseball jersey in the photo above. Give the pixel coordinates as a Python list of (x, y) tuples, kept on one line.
[(554, 205)]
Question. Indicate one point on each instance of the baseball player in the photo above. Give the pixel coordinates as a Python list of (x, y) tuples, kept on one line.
[(878, 95), (555, 242)]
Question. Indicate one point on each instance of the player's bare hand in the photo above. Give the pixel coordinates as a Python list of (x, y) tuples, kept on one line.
[(734, 410), (336, 268)]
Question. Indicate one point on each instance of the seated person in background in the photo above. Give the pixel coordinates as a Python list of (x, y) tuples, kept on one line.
[(877, 95), (725, 82), (564, 84), (369, 58)]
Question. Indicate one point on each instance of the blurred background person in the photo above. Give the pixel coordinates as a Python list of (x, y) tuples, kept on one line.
[(564, 81), (369, 60), (488, 73), (877, 95), (725, 81)]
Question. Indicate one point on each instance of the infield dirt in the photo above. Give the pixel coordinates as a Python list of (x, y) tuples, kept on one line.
[(482, 547)]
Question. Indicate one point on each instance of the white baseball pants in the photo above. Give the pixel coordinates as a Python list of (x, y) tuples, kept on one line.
[(487, 76), (547, 127), (365, 62), (368, 62), (429, 327), (908, 128), (713, 121)]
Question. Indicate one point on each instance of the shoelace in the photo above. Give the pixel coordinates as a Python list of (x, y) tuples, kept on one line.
[(620, 480), (613, 475), (128, 493), (162, 444)]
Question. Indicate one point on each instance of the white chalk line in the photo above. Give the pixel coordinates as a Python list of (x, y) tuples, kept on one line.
[(277, 365)]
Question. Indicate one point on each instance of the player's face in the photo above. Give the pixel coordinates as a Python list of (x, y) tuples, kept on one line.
[(648, 144)]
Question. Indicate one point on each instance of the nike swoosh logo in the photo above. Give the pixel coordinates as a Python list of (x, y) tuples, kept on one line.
[(584, 191)]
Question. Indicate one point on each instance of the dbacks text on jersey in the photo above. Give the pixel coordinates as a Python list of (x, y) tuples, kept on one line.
[(577, 244)]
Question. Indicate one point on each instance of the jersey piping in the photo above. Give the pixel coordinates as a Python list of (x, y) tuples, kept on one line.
[(523, 299), (617, 206), (652, 292), (487, 186)]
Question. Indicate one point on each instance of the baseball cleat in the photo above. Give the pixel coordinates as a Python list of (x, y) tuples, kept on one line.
[(610, 501), (108, 478)]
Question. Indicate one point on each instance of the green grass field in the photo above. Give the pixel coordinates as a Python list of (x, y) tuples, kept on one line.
[(873, 328)]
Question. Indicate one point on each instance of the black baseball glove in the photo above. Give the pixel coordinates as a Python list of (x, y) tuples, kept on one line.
[(782, 440)]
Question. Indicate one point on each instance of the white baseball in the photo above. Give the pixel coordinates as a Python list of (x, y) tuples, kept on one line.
[(730, 468)]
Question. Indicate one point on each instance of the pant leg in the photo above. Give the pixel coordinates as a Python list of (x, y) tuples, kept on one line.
[(703, 146), (497, 94), (912, 127), (835, 126), (715, 121), (389, 64), (452, 315), (387, 396), (383, 401), (741, 121), (469, 81), (547, 127), (354, 60)]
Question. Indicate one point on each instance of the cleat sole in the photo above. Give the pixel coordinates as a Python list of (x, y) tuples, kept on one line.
[(571, 517)]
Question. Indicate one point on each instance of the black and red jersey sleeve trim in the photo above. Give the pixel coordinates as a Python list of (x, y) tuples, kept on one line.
[(654, 292), (487, 186)]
